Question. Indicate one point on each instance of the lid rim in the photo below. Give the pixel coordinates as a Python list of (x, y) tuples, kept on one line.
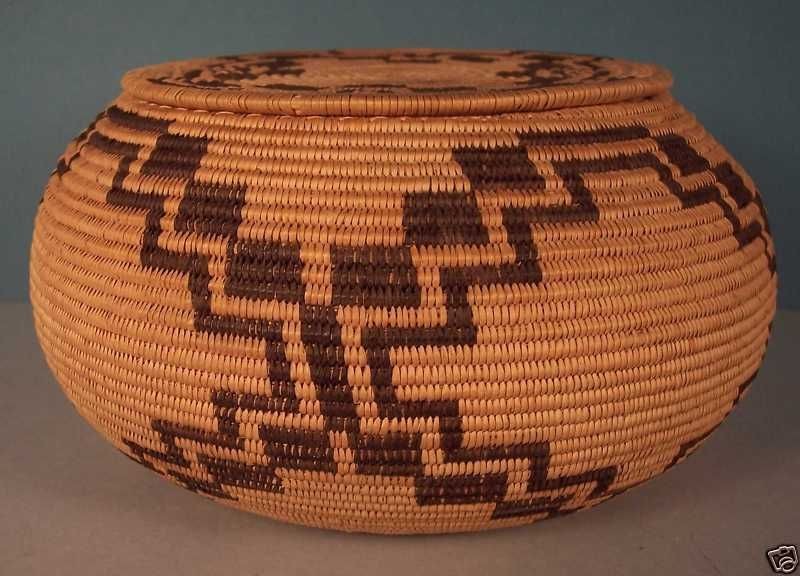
[(158, 84)]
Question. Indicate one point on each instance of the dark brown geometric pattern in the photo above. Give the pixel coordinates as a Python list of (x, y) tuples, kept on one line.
[(382, 276)]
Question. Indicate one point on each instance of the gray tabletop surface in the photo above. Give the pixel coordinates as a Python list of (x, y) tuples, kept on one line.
[(72, 504)]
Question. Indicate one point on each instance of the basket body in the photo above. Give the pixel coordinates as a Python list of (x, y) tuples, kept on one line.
[(395, 316)]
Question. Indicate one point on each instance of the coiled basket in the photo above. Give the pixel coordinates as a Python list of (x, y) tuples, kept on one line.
[(402, 291)]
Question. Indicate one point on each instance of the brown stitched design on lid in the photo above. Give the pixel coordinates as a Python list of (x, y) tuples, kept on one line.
[(398, 82)]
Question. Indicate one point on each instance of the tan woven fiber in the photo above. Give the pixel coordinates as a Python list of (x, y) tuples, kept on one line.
[(403, 291)]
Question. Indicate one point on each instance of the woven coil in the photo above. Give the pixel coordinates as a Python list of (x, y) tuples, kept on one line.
[(418, 291)]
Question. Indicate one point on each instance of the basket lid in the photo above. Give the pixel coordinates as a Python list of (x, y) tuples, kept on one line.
[(394, 82)]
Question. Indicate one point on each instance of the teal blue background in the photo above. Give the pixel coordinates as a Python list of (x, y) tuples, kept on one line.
[(735, 64)]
